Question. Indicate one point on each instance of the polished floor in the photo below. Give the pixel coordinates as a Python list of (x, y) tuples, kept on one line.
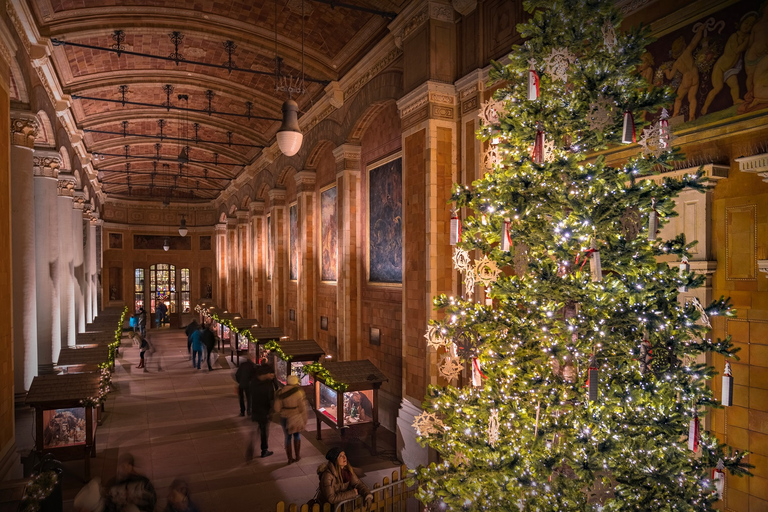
[(183, 423)]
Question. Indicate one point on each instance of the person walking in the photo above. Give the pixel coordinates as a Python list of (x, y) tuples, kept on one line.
[(142, 322), (197, 347), (192, 327), (291, 403), (160, 313), (144, 346), (338, 481), (179, 498), (209, 342), (262, 398), (243, 377), (129, 490)]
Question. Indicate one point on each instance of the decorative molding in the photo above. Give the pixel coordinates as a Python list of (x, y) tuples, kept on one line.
[(416, 15), (305, 181), (24, 127), (762, 266), (8, 47), (347, 155), (434, 100), (713, 172), (464, 7), (66, 186), (277, 196), (242, 216), (335, 94), (257, 207), (367, 75), (46, 163), (628, 7), (757, 164)]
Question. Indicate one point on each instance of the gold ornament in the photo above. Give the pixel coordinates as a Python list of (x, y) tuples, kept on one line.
[(489, 111), (434, 337), (427, 423), (558, 62), (487, 271), (450, 368)]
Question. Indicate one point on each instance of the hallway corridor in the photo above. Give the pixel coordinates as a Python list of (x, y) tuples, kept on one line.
[(184, 423)]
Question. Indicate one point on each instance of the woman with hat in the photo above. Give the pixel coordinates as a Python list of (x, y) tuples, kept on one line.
[(291, 404), (338, 481)]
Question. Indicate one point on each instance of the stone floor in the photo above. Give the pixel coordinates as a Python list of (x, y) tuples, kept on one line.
[(184, 423)]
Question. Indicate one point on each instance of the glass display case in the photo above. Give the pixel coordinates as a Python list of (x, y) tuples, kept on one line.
[(354, 402), (299, 353)]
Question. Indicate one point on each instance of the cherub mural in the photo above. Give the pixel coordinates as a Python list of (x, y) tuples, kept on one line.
[(714, 63)]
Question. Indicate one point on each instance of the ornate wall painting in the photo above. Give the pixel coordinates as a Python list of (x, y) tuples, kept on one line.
[(717, 64), (385, 223), (269, 247), (205, 243), (293, 234), (115, 240), (328, 235), (155, 242)]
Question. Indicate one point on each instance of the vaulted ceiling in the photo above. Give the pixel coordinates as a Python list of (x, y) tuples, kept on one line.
[(176, 97)]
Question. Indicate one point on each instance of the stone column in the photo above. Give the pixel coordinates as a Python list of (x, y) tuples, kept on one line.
[(66, 259), (258, 259), (307, 285), (279, 236), (46, 168), (94, 231), (243, 263), (88, 263), (232, 284), (78, 260), (23, 132), (429, 137), (222, 270), (348, 203)]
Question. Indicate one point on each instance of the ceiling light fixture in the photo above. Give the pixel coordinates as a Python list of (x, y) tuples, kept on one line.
[(289, 136), (183, 226), (166, 244)]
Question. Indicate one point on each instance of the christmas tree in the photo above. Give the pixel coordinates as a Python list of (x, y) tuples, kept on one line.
[(587, 388)]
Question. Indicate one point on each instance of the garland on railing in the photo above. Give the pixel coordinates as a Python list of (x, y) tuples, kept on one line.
[(272, 345), (40, 486), (319, 371), (118, 337), (275, 346), (105, 386)]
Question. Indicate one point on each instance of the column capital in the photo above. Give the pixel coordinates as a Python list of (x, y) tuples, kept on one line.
[(277, 196), (241, 216), (66, 186), (231, 222), (46, 163), (417, 14), (431, 100), (221, 228), (78, 200), (257, 207), (469, 89), (24, 128), (305, 181), (347, 157)]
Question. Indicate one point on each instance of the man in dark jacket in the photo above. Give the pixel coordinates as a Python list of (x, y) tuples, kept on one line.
[(192, 327), (262, 397), (209, 341), (243, 378)]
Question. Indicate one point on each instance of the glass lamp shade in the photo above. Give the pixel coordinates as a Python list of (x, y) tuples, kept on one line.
[(166, 244), (183, 227), (289, 136)]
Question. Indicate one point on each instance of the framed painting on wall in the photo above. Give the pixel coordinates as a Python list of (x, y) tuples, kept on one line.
[(328, 235), (115, 240), (293, 235), (385, 222)]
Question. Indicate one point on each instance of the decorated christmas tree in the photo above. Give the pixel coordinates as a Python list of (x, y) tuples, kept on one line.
[(577, 374)]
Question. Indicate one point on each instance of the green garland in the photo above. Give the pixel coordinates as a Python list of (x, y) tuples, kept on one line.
[(118, 337), (319, 371), (105, 386), (37, 490), (271, 345)]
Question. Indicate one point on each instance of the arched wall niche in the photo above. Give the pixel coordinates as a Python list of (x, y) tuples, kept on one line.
[(66, 161), (315, 153), (45, 136), (357, 115), (386, 138), (78, 181), (232, 210)]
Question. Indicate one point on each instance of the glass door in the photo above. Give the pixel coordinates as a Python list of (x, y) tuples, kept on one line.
[(162, 287)]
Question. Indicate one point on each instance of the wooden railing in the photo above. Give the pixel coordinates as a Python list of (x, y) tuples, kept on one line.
[(393, 495)]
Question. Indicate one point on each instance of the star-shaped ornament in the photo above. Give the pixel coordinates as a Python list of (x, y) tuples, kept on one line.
[(460, 459), (557, 63), (427, 423), (461, 260), (450, 368), (609, 35), (489, 111), (487, 271), (600, 115), (435, 337)]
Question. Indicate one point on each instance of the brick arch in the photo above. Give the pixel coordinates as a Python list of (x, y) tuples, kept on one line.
[(282, 176), (66, 161), (314, 154), (362, 108), (78, 180), (263, 193), (245, 200)]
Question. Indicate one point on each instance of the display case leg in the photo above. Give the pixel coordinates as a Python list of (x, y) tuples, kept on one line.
[(318, 429)]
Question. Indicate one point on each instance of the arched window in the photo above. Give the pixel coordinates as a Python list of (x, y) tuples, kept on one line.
[(185, 298), (138, 289)]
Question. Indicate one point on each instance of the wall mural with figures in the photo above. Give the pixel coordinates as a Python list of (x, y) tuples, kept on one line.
[(717, 65)]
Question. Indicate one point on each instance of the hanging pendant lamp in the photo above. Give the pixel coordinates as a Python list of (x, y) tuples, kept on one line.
[(183, 227), (166, 244), (289, 136)]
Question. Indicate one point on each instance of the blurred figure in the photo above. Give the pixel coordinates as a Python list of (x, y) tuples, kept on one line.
[(262, 397), (209, 341), (142, 319), (129, 490), (179, 499), (197, 347), (243, 377), (291, 404), (338, 481), (192, 327)]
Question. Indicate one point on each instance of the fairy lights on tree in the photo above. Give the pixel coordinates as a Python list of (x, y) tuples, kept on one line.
[(585, 387)]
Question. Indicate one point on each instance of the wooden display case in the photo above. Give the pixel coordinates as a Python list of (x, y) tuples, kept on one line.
[(355, 408), (63, 426), (239, 344), (299, 353)]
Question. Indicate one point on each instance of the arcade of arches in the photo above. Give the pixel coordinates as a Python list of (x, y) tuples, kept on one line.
[(350, 235)]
